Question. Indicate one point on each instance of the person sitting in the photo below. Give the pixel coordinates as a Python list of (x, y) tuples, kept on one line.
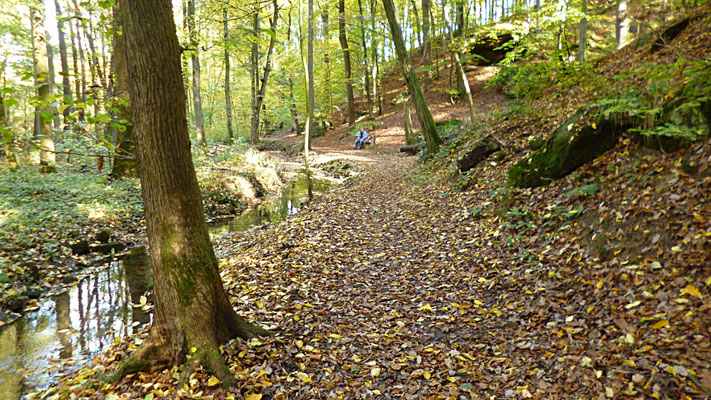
[(361, 139)]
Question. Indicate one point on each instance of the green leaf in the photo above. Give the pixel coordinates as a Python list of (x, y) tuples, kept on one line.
[(9, 102)]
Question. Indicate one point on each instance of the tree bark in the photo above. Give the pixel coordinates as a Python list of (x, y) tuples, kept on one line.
[(622, 24), (418, 98), (228, 94), (292, 107), (52, 82), (346, 60), (426, 43), (377, 93), (197, 98), (326, 56), (409, 132), (192, 314), (44, 117)]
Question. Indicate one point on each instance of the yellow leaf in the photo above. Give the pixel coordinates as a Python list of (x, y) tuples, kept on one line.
[(299, 344), (427, 307), (254, 396), (304, 377), (691, 290), (213, 381), (427, 374), (193, 349), (594, 125), (661, 324), (375, 372), (334, 336), (260, 305), (708, 281)]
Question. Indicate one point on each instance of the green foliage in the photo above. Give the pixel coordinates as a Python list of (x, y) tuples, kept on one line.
[(524, 81), (586, 190)]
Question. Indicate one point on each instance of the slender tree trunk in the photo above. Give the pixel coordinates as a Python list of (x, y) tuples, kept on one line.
[(125, 164), (563, 5), (456, 54), (228, 94), (416, 30), (254, 72), (197, 97), (326, 56), (423, 112), (426, 43), (409, 132), (346, 60), (64, 60), (376, 65), (185, 55), (368, 93), (193, 315), (309, 69), (583, 33), (44, 116), (622, 25), (292, 107), (261, 82), (51, 72), (81, 94)]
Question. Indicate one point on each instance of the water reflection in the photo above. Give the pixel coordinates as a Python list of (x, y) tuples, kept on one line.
[(292, 197), (72, 327)]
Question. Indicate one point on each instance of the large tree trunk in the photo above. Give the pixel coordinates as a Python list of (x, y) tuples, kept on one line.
[(346, 60), (125, 164), (44, 117), (427, 124), (622, 25), (377, 92), (228, 95), (197, 97), (369, 95), (192, 314)]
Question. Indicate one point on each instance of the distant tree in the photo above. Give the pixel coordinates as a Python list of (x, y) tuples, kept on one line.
[(197, 98), (621, 24), (193, 315), (343, 39), (427, 125), (582, 44), (43, 115), (228, 98)]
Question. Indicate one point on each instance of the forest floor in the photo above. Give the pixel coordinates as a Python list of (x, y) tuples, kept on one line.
[(401, 285), (418, 282)]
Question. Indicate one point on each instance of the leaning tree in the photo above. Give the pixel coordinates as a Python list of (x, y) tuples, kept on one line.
[(193, 314)]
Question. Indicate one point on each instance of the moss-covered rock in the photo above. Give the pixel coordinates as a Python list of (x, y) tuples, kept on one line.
[(573, 144)]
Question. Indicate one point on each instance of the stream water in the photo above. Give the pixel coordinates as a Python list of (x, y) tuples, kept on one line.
[(69, 329)]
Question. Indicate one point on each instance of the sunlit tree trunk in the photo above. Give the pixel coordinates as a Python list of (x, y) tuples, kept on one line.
[(622, 25), (416, 30), (260, 81), (44, 117), (292, 107), (582, 44), (81, 93), (456, 54), (197, 98), (326, 56), (427, 124), (228, 94), (343, 39), (369, 95), (377, 93), (193, 315), (52, 83), (66, 85), (307, 59), (426, 45), (254, 74)]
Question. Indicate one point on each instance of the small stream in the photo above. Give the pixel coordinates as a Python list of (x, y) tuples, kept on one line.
[(67, 330)]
